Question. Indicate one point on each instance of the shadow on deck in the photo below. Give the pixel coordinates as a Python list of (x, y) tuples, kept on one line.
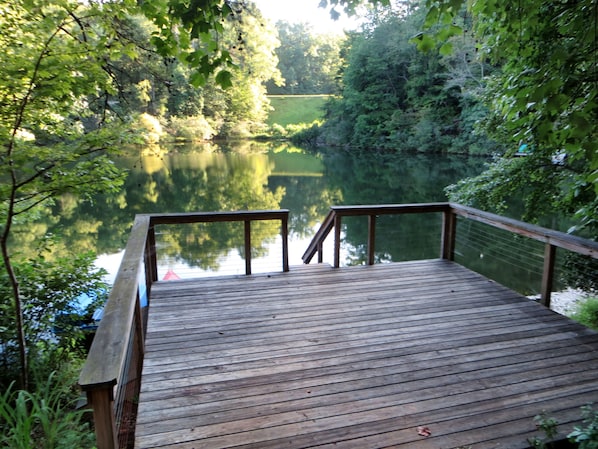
[(362, 357)]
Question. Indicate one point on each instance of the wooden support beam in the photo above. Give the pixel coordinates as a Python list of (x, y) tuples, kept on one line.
[(547, 274), (151, 255), (284, 231), (139, 331), (371, 238), (102, 402), (247, 247), (337, 241), (449, 232)]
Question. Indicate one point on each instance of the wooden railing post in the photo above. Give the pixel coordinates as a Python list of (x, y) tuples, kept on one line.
[(337, 241), (449, 232), (151, 255), (102, 402), (139, 330), (371, 238), (547, 274), (247, 247), (284, 231)]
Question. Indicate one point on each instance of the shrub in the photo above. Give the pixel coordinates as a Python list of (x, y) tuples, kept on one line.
[(191, 129), (45, 418), (548, 426), (586, 436), (578, 272), (305, 133), (236, 130), (149, 127), (53, 295), (586, 313), (278, 131)]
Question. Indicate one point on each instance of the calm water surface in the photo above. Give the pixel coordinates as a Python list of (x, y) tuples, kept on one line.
[(250, 175)]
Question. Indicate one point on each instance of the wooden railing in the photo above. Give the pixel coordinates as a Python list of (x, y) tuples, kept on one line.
[(552, 239), (112, 371)]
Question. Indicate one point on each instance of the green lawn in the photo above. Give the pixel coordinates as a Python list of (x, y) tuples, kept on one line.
[(294, 109)]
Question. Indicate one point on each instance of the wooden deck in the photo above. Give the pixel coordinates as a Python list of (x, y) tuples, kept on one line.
[(359, 358)]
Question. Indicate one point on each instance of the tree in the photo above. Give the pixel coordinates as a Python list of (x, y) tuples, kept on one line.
[(52, 293), (252, 51), (52, 142), (308, 62), (374, 85), (351, 6), (68, 85), (189, 31), (546, 95), (397, 98), (163, 87)]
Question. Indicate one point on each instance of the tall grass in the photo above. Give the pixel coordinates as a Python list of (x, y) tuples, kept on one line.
[(43, 419)]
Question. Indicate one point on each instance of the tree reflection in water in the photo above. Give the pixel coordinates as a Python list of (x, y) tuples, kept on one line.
[(252, 175)]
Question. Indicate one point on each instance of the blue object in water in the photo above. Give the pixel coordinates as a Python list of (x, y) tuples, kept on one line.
[(522, 149)]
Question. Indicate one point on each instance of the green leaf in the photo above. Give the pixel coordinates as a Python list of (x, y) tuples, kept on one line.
[(432, 17), (224, 79), (424, 42), (446, 49), (197, 79)]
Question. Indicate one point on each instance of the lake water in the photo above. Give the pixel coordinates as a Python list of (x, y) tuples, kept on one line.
[(251, 175)]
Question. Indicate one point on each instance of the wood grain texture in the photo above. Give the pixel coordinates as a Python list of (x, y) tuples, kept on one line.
[(358, 357)]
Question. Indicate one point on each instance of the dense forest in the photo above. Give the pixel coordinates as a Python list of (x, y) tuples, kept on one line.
[(81, 81), (395, 97)]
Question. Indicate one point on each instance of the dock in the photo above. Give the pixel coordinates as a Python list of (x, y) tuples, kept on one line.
[(422, 354)]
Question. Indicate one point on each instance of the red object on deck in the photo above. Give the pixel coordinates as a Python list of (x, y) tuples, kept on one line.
[(170, 276)]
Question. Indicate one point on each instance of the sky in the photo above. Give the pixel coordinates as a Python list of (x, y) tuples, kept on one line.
[(304, 11)]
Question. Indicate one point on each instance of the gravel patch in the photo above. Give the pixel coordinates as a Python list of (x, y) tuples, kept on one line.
[(565, 302)]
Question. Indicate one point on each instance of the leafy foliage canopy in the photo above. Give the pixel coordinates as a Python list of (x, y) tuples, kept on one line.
[(545, 95)]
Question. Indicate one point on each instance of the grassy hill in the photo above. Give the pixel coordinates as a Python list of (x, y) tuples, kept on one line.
[(295, 109)]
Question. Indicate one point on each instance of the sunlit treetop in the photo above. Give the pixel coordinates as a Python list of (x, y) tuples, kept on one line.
[(348, 6), (191, 31)]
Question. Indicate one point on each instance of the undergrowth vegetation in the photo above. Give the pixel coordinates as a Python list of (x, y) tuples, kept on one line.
[(46, 417), (59, 296), (584, 436), (586, 313)]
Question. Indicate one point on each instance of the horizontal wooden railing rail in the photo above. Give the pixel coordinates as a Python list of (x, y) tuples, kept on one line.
[(334, 217), (214, 217), (551, 238), (116, 355)]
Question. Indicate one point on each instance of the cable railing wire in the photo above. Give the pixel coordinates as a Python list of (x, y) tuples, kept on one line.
[(507, 252)]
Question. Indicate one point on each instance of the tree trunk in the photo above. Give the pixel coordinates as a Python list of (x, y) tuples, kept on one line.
[(14, 282), (24, 376)]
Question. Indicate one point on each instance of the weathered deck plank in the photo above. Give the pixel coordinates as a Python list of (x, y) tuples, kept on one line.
[(357, 358)]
